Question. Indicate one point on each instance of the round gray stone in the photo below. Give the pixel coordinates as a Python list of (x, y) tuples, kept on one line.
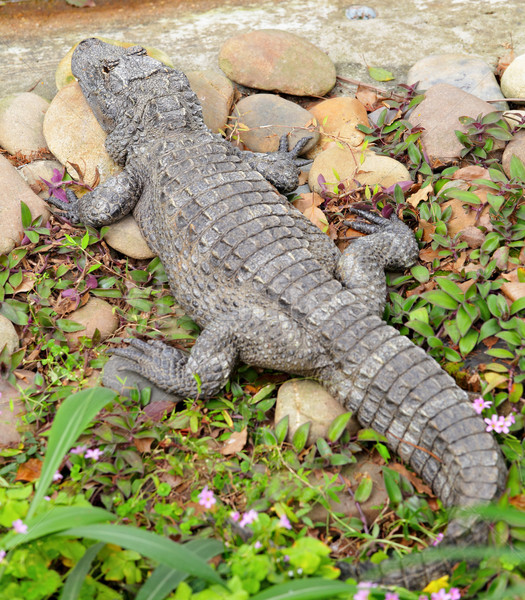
[(21, 118)]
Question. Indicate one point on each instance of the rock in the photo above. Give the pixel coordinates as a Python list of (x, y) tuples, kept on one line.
[(269, 117), (11, 229), (125, 237), (346, 505), (12, 409), (275, 60), (338, 118), (305, 400), (8, 336), (118, 376), (21, 118), (37, 170), (215, 93), (473, 236), (468, 73), (64, 76), (513, 79), (516, 147), (75, 137), (375, 170), (95, 314), (439, 115)]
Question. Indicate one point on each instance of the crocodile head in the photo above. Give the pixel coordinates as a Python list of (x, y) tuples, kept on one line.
[(107, 74)]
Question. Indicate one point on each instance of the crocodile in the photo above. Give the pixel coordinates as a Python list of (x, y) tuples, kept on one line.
[(270, 289)]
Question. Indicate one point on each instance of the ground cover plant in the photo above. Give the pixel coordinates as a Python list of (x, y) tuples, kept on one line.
[(111, 497)]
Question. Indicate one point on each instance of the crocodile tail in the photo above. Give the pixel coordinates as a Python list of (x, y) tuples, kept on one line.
[(395, 388)]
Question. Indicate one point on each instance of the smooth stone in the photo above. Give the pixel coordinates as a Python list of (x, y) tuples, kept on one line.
[(75, 137), (276, 60), (215, 93), (95, 314), (8, 336), (118, 375), (21, 118), (381, 170), (468, 73), (11, 229), (12, 409), (338, 118), (439, 115), (63, 75), (303, 401), (37, 170), (126, 237), (516, 147), (513, 79), (346, 504), (268, 117)]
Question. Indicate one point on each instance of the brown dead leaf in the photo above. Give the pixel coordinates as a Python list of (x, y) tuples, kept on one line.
[(29, 471), (513, 276), (471, 172), (143, 444), (504, 62), (235, 443), (156, 410), (308, 205), (428, 230), (464, 286), (307, 200), (367, 97), (303, 177), (490, 341), (419, 196), (514, 290), (420, 289), (428, 254), (27, 283), (417, 482), (518, 501)]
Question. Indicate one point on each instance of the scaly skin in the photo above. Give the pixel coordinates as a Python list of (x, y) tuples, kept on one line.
[(268, 288)]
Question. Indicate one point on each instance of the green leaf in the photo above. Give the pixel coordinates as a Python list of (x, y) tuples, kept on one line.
[(77, 576), (517, 305), (380, 74), (315, 588), (337, 426), (27, 219), (451, 288), (281, 429), (69, 326), (517, 169), (421, 327), (152, 545), (490, 327), (500, 353), (463, 195), (468, 342), (369, 435), (420, 273), (300, 436), (463, 320), (364, 489), (392, 487), (74, 415), (263, 393), (442, 299)]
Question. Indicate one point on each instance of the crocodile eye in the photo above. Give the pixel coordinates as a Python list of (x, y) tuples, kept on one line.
[(108, 65), (136, 51)]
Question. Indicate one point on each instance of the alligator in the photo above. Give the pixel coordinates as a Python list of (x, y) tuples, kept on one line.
[(269, 288)]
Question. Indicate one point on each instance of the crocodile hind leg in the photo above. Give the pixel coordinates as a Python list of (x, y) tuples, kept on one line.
[(201, 373), (389, 245)]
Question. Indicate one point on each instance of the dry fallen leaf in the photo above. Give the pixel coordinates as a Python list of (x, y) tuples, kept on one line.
[(235, 443), (419, 196), (421, 487), (504, 62), (428, 254), (143, 444), (367, 97), (29, 471), (471, 172), (308, 205)]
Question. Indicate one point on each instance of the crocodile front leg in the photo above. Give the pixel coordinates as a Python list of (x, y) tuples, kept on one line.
[(108, 203)]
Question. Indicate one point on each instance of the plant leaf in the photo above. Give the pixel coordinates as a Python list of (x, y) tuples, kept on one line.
[(380, 74), (75, 579), (316, 588)]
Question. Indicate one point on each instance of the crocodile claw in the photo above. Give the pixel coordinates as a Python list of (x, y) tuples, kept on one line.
[(148, 354), (373, 223), (66, 210), (293, 154)]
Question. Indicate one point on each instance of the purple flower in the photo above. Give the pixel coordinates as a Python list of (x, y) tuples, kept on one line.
[(2, 555), (454, 594), (438, 540), (94, 453), (391, 596), (480, 405), (57, 476), (364, 590), (78, 450), (248, 517), (19, 526), (503, 425), (235, 515), (284, 522), (493, 424), (56, 185), (47, 498), (257, 545), (441, 595), (206, 497), (362, 595)]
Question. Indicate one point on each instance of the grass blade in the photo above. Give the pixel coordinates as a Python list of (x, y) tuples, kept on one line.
[(75, 579)]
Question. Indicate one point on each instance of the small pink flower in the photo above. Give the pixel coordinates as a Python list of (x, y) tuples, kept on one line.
[(235, 515), (284, 522), (248, 517), (206, 498), (48, 498), (454, 594), (391, 596), (94, 453), (57, 476), (438, 540), (441, 595), (257, 545), (493, 424), (479, 404), (2, 552), (503, 425), (19, 526), (362, 595), (78, 450)]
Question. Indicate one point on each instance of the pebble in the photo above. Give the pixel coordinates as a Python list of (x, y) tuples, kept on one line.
[(215, 93), (516, 147), (21, 117), (304, 400), (469, 73), (8, 336), (75, 137), (269, 117), (276, 60), (11, 229), (513, 79), (12, 409), (439, 115), (125, 237), (37, 170), (338, 118), (95, 314), (63, 75)]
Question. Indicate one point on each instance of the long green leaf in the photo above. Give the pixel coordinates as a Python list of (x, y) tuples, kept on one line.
[(315, 588), (73, 416), (154, 546), (75, 579), (55, 521), (164, 579)]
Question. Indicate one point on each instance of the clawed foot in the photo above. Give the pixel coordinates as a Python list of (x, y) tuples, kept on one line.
[(293, 154), (375, 223), (149, 356), (67, 210)]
